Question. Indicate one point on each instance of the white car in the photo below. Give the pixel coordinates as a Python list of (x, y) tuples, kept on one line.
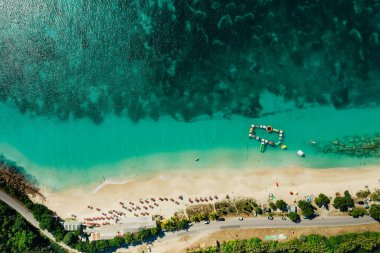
[(241, 218), (207, 222)]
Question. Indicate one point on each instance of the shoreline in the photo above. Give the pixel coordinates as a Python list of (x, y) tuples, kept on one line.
[(256, 183)]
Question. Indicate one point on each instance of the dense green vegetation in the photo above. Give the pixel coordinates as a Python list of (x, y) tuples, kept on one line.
[(358, 212), (225, 207), (174, 224), (322, 200), (363, 193), (128, 239), (17, 235), (375, 195), (353, 242), (245, 205), (282, 205), (273, 206), (294, 217), (48, 220), (374, 212), (344, 203), (307, 209)]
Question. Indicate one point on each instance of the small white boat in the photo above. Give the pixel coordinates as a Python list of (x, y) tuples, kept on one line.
[(300, 153)]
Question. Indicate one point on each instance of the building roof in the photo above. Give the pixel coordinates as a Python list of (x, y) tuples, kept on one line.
[(126, 225), (72, 223)]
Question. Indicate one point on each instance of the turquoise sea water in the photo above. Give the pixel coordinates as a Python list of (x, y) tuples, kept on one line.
[(61, 154), (101, 89)]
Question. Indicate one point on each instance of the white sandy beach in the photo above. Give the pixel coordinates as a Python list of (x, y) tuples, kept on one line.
[(256, 183)]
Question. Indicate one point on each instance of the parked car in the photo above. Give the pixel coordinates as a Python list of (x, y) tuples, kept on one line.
[(241, 218), (270, 217), (207, 222), (221, 219)]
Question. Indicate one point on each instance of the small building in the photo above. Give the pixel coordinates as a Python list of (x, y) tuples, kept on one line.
[(292, 209), (309, 198), (124, 226), (72, 225)]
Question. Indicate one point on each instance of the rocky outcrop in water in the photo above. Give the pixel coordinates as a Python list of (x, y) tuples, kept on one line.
[(355, 146), (14, 177)]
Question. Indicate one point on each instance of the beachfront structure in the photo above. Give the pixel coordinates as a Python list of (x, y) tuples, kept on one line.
[(72, 225), (124, 226), (292, 209)]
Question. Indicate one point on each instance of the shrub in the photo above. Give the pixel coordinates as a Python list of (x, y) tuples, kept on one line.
[(272, 206), (282, 205), (363, 193), (245, 205), (306, 208), (358, 212), (322, 200), (374, 211), (258, 210), (225, 207), (294, 217), (343, 203)]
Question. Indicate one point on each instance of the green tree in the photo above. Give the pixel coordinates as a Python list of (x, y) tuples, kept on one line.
[(258, 210), (294, 217), (363, 193), (374, 196), (343, 203), (100, 245), (213, 216), (272, 206), (322, 200), (282, 205), (307, 209), (46, 221), (116, 242), (182, 224), (129, 238), (358, 212), (374, 211), (70, 238)]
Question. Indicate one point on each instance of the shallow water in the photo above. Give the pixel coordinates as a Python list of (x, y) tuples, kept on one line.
[(92, 90), (63, 154)]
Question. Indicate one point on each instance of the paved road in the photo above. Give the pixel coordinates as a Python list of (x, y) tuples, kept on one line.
[(30, 218), (201, 230), (277, 222)]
